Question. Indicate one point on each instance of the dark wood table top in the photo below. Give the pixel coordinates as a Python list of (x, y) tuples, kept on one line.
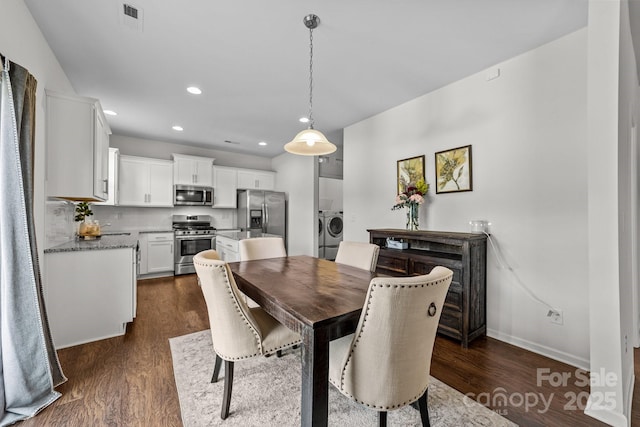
[(319, 299), (310, 290)]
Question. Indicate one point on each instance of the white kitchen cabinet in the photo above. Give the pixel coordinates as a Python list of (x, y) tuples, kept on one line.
[(90, 295), (160, 252), (228, 249), (250, 179), (77, 138), (225, 186), (114, 164), (145, 182), (192, 170)]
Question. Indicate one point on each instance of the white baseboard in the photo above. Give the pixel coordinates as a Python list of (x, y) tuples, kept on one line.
[(549, 352)]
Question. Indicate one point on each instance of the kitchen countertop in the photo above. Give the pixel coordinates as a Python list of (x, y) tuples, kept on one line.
[(105, 242), (241, 235), (170, 230)]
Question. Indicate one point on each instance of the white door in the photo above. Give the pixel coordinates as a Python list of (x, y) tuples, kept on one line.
[(159, 256)]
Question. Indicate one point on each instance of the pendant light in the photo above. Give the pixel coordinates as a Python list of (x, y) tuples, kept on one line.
[(310, 142)]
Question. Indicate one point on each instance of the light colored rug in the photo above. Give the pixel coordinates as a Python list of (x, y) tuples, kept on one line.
[(266, 392)]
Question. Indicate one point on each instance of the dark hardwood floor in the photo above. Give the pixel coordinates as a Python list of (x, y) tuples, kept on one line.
[(128, 381)]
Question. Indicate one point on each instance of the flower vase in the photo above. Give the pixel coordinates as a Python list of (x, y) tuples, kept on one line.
[(412, 217)]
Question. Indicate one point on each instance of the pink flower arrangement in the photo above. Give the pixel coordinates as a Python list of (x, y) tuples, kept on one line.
[(413, 196)]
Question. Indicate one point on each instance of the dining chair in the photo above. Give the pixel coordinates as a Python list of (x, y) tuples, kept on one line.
[(238, 332), (385, 364), (260, 248), (358, 254)]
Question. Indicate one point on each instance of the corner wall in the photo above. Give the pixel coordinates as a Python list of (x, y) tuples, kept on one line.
[(22, 42), (528, 134), (298, 177)]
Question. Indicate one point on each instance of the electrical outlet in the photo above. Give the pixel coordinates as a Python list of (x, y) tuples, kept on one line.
[(555, 316)]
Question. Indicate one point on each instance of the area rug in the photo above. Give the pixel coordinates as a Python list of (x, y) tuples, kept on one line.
[(266, 392)]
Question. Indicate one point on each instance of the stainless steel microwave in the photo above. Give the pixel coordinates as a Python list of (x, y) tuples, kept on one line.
[(188, 195)]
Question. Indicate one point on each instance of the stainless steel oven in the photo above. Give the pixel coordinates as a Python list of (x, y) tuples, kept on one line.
[(193, 234)]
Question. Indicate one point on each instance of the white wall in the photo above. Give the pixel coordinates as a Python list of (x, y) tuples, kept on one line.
[(613, 96), (527, 129), (22, 42), (298, 177)]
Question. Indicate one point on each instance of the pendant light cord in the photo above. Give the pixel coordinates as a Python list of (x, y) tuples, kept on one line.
[(310, 78)]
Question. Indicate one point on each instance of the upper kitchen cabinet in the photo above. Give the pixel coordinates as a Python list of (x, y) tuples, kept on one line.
[(249, 179), (192, 170), (77, 136), (225, 185), (145, 182), (114, 165)]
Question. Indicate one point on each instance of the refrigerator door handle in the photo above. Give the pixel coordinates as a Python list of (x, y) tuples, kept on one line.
[(265, 216)]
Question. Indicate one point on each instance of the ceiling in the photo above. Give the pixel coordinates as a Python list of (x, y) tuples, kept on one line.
[(251, 59)]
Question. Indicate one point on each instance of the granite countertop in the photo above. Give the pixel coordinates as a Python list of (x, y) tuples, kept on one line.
[(164, 230), (241, 235), (105, 242)]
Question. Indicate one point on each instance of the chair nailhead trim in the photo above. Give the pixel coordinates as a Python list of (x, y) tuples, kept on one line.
[(365, 314)]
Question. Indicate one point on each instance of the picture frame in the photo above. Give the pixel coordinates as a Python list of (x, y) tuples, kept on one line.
[(410, 171), (454, 172)]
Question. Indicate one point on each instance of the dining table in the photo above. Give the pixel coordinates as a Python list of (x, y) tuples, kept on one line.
[(321, 300)]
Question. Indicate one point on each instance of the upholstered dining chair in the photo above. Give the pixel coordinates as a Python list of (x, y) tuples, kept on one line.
[(238, 332), (260, 248), (358, 254), (385, 364)]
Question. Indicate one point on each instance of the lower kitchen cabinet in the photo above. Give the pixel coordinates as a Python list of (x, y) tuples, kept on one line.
[(156, 253), (90, 295), (227, 249), (464, 315)]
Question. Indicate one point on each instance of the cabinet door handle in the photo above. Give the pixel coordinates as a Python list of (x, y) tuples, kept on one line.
[(105, 186), (257, 183)]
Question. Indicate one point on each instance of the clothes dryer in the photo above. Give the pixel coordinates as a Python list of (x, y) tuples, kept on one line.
[(333, 224), (320, 234)]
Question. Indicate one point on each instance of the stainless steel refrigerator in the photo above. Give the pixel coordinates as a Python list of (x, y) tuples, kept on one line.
[(262, 211)]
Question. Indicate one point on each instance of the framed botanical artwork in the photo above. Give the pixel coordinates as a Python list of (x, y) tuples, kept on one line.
[(453, 170), (410, 171)]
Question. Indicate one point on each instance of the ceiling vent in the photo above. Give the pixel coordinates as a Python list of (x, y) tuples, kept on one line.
[(130, 11), (131, 17)]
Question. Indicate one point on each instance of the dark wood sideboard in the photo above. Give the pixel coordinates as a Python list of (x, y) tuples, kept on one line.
[(464, 316)]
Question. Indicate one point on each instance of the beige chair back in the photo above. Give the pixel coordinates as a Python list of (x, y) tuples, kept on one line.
[(388, 362), (358, 254), (261, 248), (235, 333)]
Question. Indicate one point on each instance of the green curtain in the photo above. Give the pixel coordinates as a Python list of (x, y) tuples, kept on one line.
[(29, 366)]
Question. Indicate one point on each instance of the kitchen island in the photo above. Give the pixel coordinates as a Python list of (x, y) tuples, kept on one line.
[(90, 288), (227, 243)]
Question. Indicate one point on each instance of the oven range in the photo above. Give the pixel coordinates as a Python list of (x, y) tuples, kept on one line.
[(193, 234)]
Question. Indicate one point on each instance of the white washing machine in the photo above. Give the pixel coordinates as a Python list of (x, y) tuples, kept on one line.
[(320, 234), (333, 224)]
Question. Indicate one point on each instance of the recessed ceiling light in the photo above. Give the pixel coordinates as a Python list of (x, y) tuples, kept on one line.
[(262, 143), (194, 90), (178, 128), (304, 120), (110, 113)]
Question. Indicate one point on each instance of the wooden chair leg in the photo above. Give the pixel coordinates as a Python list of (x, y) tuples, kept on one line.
[(279, 353), (216, 369), (382, 419), (228, 385), (424, 410)]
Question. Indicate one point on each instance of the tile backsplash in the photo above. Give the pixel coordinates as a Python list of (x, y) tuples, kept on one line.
[(60, 226)]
